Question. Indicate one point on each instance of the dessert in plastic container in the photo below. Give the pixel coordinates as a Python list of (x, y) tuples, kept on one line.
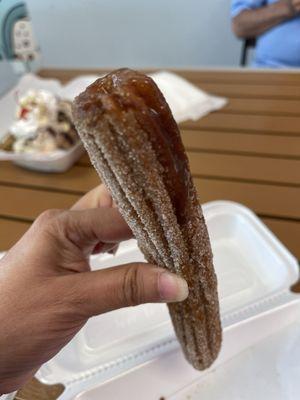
[(36, 126), (255, 272), (58, 161)]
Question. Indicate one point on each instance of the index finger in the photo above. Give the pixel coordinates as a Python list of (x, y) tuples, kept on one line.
[(95, 198), (88, 227)]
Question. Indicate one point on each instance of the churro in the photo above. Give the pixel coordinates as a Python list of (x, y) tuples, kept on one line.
[(135, 145)]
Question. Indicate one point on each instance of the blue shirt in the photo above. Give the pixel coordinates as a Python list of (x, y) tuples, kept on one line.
[(278, 47)]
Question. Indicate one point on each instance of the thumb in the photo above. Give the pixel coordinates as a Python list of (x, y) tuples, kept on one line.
[(101, 291)]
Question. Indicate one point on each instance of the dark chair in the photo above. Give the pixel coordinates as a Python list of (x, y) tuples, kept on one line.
[(248, 44)]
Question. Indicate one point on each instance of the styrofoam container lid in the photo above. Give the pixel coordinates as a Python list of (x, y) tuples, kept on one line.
[(268, 369), (255, 272)]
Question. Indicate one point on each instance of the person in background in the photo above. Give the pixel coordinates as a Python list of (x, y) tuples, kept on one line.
[(276, 26)]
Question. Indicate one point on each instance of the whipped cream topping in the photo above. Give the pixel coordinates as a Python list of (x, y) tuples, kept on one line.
[(35, 110), (43, 124)]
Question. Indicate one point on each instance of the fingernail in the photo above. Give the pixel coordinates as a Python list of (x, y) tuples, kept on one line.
[(172, 288)]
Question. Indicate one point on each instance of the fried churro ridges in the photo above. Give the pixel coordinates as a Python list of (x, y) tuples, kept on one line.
[(135, 145), (128, 211)]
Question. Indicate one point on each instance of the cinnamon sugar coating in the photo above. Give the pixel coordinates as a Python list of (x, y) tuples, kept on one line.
[(135, 146)]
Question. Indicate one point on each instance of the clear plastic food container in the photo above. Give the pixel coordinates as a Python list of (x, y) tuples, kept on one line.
[(57, 161), (121, 353)]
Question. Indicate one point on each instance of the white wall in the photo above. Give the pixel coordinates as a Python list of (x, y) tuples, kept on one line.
[(7, 78), (134, 33)]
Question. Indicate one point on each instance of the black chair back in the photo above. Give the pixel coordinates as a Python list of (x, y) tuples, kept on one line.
[(248, 43)]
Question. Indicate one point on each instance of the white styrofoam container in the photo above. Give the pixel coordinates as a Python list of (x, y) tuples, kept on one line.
[(266, 367), (9, 396), (255, 272)]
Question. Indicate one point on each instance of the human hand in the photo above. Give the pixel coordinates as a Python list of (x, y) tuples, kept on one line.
[(296, 5), (47, 291), (99, 197), (292, 7), (96, 198)]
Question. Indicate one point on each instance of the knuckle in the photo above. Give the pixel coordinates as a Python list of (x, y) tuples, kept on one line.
[(47, 217), (133, 285), (50, 222)]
